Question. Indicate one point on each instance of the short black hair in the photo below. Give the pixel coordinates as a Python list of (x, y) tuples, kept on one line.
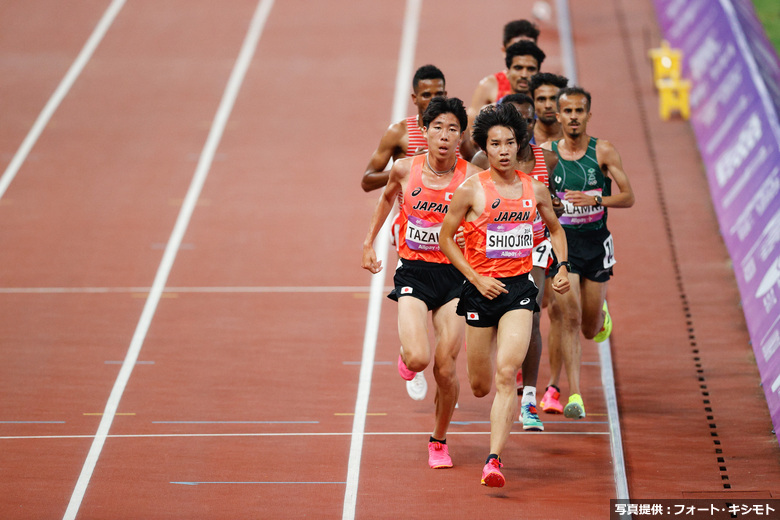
[(524, 48), (546, 78), (441, 105), (504, 114), (520, 28), (573, 91), (520, 99), (426, 72)]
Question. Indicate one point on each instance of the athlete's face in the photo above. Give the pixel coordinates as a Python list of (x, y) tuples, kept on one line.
[(526, 111), (573, 114), (501, 148), (545, 97), (427, 89), (443, 135), (519, 74)]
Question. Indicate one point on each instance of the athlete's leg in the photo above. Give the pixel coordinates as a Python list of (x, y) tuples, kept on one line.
[(514, 333), (554, 345), (534, 356), (593, 295), (570, 322), (480, 344), (448, 331), (413, 333)]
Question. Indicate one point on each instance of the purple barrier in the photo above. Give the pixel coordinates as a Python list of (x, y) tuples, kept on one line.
[(735, 102)]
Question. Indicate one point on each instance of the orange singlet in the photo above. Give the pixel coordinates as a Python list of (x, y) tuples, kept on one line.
[(500, 241), (422, 212)]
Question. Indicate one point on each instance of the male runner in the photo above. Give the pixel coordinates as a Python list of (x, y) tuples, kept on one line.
[(499, 207), (425, 280), (494, 87), (523, 60), (405, 137), (583, 180), (543, 89), (536, 162)]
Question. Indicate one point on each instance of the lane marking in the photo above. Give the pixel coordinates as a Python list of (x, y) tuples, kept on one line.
[(32, 422), (59, 94), (340, 414), (219, 290), (402, 81), (236, 483), (137, 362), (101, 413), (272, 434), (235, 422), (193, 193)]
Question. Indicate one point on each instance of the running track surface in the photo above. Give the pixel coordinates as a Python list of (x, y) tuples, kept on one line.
[(240, 403)]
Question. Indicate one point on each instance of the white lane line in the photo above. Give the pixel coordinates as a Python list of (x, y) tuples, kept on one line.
[(248, 289), (567, 41), (402, 81), (201, 172), (275, 434), (615, 437), (59, 94)]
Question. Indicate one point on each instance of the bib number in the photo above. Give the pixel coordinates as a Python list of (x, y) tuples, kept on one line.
[(609, 253)]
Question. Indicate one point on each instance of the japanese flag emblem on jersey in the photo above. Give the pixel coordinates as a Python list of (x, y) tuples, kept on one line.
[(406, 290), (472, 316), (447, 196), (528, 203)]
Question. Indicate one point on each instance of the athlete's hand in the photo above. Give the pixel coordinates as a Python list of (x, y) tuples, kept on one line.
[(489, 287), (557, 205), (460, 238), (560, 283), (578, 198), (369, 260)]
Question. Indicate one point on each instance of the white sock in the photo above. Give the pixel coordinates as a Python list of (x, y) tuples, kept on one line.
[(529, 395)]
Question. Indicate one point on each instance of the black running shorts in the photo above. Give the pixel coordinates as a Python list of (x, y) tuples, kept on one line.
[(591, 253), (435, 284), (481, 312)]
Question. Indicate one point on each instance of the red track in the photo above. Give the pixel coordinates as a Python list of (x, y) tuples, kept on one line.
[(234, 355)]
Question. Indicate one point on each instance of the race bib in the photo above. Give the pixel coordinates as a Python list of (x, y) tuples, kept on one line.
[(509, 240), (573, 215), (422, 235), (543, 254)]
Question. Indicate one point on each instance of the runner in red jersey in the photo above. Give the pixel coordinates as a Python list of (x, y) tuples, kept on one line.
[(495, 86), (425, 281), (498, 298), (405, 138)]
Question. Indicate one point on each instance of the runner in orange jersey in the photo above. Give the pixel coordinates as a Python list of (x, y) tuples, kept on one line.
[(499, 297), (537, 163), (425, 281)]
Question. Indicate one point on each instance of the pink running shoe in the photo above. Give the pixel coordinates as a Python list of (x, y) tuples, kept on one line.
[(491, 474), (550, 402), (404, 371), (438, 455)]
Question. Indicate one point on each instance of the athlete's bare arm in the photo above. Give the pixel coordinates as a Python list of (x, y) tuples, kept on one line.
[(390, 146), (484, 94), (557, 236), (611, 164), (398, 176)]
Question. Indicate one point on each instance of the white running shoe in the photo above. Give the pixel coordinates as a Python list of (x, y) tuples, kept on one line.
[(417, 387)]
